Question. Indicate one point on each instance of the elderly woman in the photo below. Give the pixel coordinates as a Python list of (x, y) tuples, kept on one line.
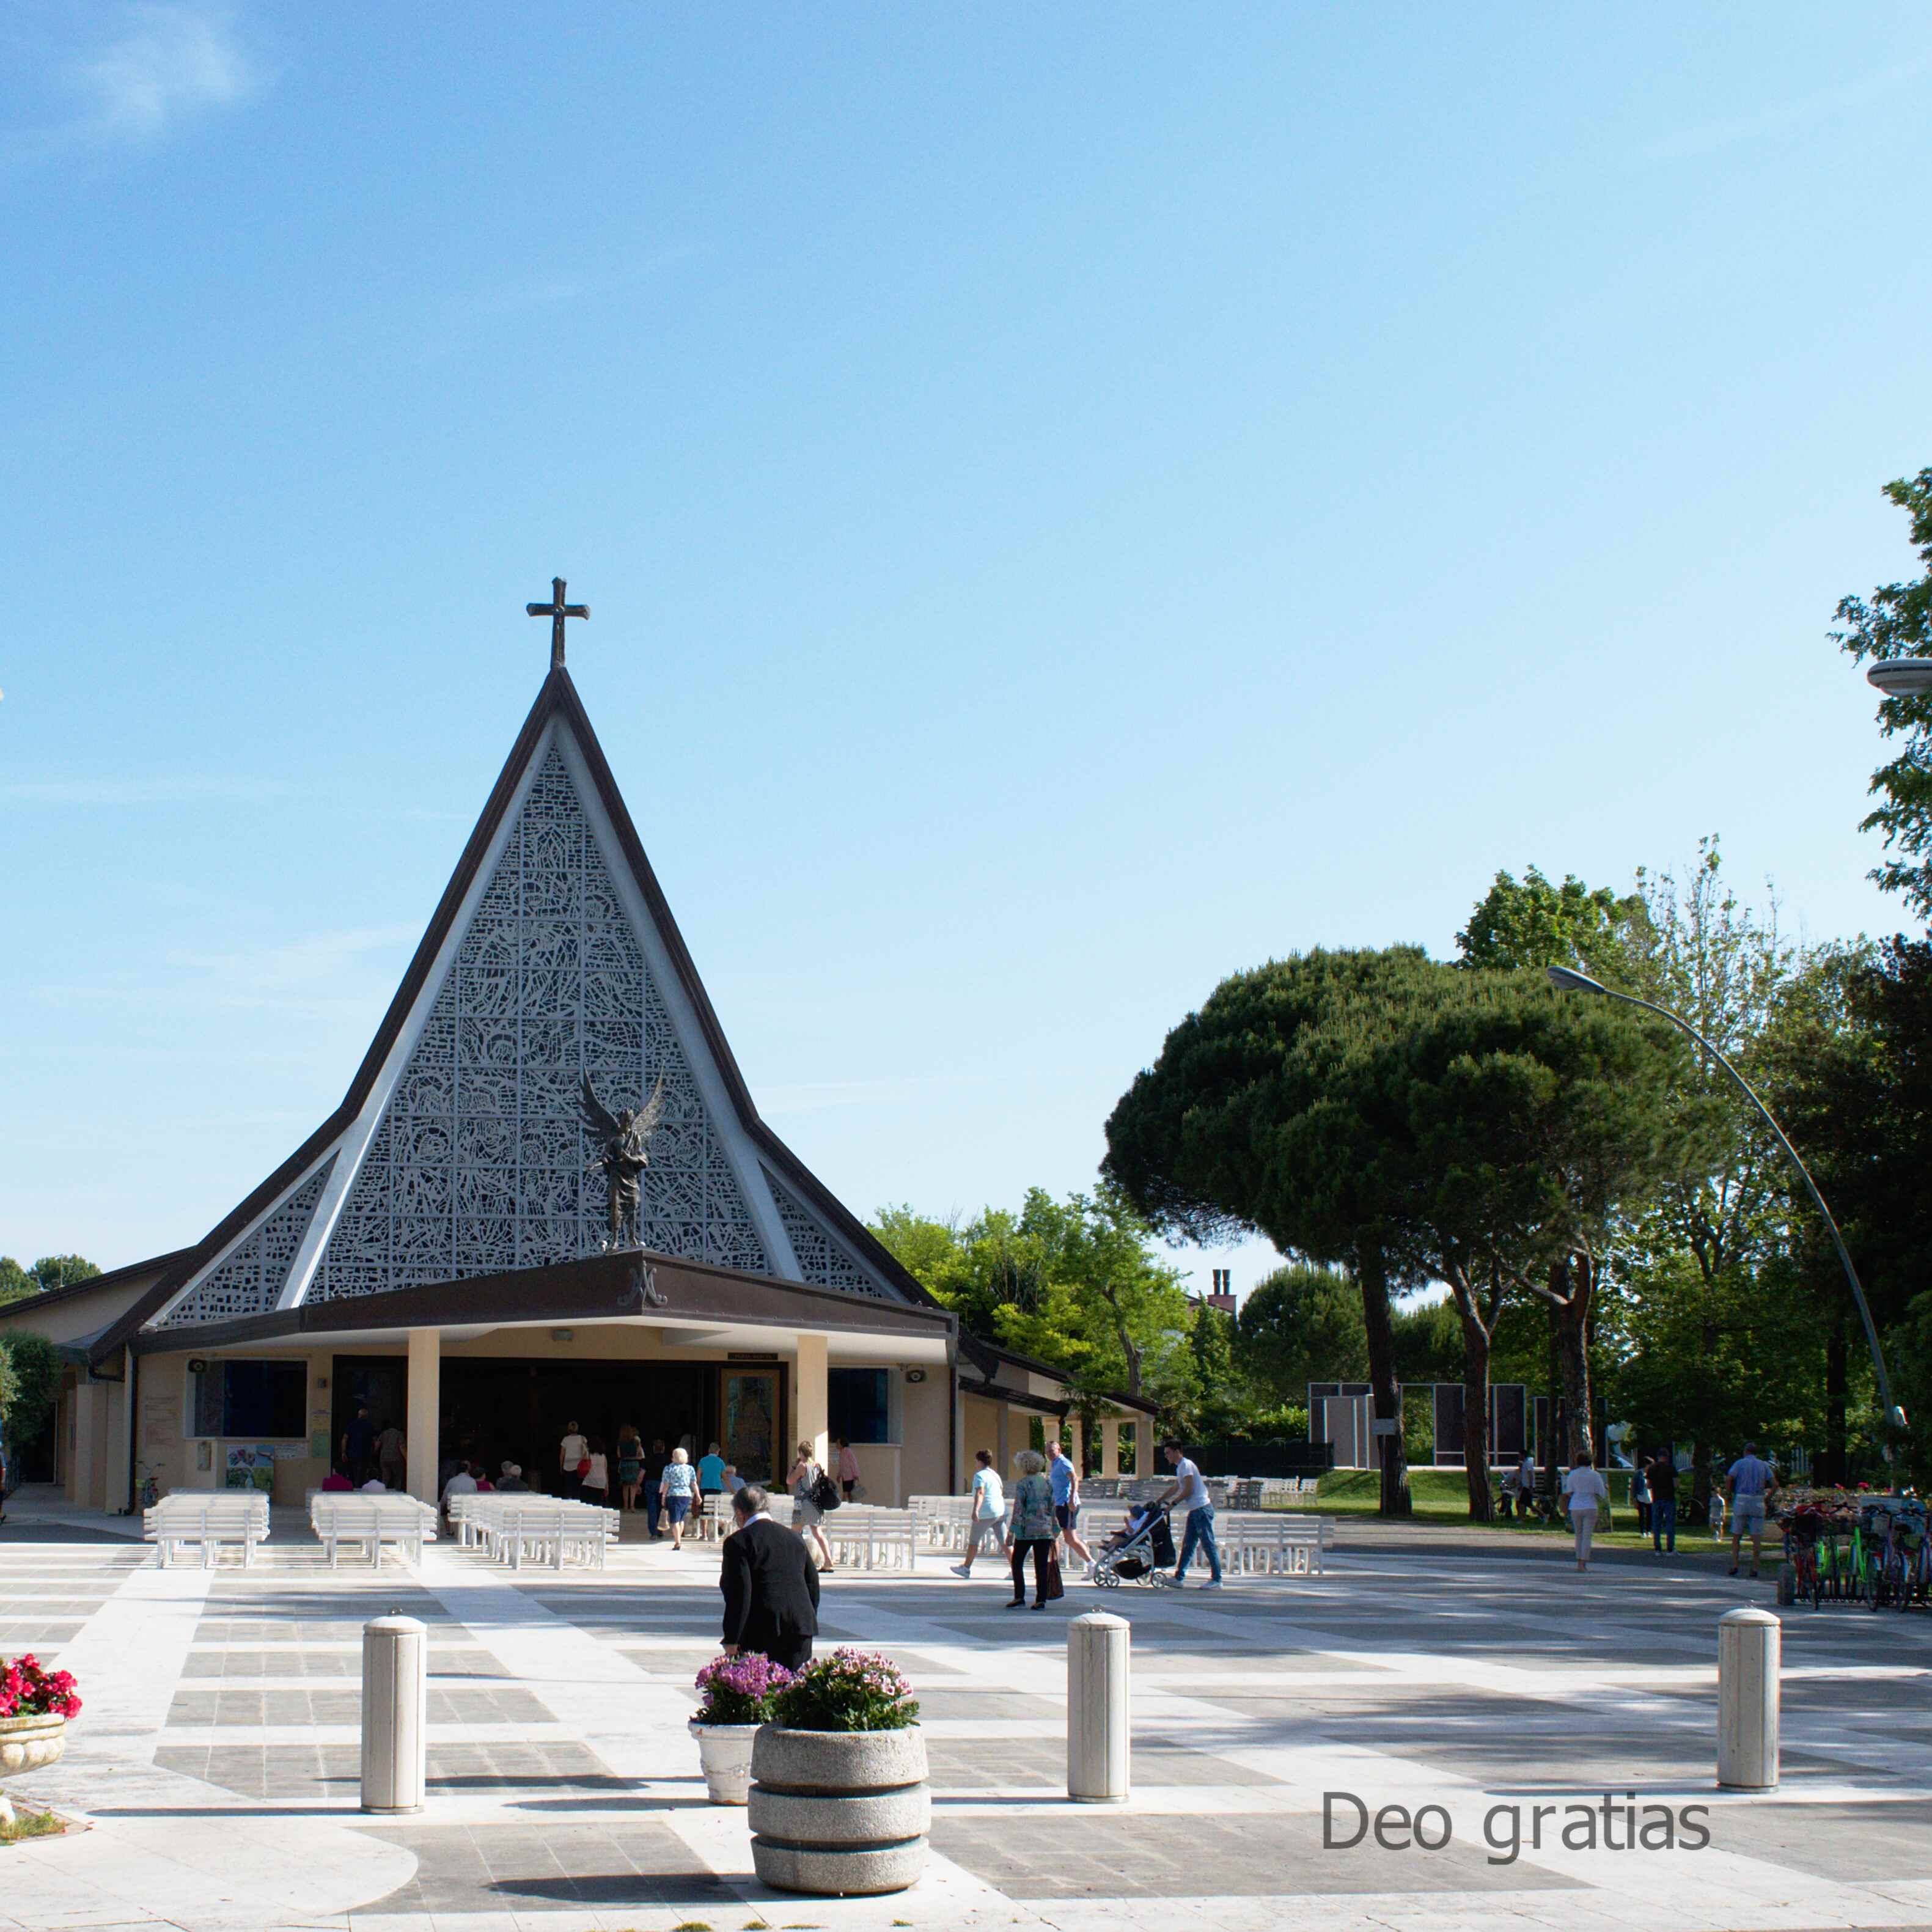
[(1034, 1527), (677, 1489)]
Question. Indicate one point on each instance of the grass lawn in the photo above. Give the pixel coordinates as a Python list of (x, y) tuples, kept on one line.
[(1442, 1498)]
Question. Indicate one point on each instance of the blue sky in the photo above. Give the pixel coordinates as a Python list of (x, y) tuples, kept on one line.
[(1075, 502)]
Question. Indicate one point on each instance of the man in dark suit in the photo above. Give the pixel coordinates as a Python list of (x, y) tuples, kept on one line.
[(770, 1585)]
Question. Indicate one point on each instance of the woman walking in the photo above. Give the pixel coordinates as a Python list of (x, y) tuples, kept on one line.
[(630, 1466), (1035, 1527), (1584, 1492), (678, 1489), (806, 1516)]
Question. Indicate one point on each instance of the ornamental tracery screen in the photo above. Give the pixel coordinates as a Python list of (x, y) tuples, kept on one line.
[(250, 1281), (479, 1163), (821, 1260)]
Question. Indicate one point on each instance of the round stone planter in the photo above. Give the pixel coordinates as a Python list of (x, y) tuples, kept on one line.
[(26, 1744), (725, 1750), (839, 1814)]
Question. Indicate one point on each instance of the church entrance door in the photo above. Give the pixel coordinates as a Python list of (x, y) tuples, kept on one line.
[(498, 1409)]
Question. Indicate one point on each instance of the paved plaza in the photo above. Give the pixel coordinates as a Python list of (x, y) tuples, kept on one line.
[(215, 1767)]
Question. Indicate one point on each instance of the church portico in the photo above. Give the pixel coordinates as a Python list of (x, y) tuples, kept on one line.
[(468, 1369)]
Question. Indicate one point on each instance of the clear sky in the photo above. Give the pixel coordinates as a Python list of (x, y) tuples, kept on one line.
[(1075, 501)]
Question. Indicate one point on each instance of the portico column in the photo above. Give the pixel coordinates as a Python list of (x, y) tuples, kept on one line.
[(810, 1412), (1110, 1445), (425, 1408), (1070, 1430)]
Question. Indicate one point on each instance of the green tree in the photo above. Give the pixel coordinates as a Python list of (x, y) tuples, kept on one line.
[(1730, 971), (1428, 1342), (30, 1380), (1896, 622), (1199, 1143), (1509, 1131), (1223, 1402), (50, 1271), (1300, 1324), (1071, 1283), (1532, 923)]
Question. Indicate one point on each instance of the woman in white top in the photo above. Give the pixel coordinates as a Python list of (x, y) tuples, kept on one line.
[(596, 1487), (1584, 1492), (989, 1509), (806, 1516)]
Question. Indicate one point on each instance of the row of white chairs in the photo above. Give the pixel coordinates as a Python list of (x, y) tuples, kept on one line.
[(1252, 1542), (515, 1529), (346, 1518), (862, 1536), (204, 1522)]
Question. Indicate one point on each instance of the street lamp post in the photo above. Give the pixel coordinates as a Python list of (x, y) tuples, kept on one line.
[(1566, 979)]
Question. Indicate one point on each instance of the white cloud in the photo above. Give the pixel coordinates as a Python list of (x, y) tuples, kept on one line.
[(172, 61)]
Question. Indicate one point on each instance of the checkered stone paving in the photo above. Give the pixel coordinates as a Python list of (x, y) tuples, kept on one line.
[(217, 1762)]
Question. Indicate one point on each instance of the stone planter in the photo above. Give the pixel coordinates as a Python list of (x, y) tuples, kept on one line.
[(28, 1744), (839, 1814), (725, 1750)]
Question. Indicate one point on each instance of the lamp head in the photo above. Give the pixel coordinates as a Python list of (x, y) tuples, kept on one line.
[(1901, 677), (1566, 979)]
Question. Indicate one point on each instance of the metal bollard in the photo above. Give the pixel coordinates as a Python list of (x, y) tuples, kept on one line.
[(395, 1714), (1098, 1738), (1749, 1644)]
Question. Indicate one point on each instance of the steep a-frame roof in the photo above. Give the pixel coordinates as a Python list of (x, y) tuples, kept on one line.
[(557, 702)]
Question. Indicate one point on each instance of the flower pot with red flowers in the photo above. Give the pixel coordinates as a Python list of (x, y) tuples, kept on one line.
[(839, 1805), (35, 1704), (735, 1698)]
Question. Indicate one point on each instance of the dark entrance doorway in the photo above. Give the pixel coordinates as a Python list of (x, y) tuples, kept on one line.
[(498, 1409), (380, 1384)]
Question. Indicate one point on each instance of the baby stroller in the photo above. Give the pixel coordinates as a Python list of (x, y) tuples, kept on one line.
[(1144, 1544)]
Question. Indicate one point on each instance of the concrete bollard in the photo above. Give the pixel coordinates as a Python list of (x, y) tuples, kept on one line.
[(1750, 1644), (1099, 1737), (395, 1714)]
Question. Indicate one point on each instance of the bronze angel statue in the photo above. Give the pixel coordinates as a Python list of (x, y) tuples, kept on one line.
[(623, 1137)]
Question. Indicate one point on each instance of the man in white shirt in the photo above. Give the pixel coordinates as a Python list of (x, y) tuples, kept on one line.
[(1751, 1481), (1188, 1492), (573, 1451)]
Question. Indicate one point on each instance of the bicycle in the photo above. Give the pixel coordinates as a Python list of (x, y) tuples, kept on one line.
[(147, 1491)]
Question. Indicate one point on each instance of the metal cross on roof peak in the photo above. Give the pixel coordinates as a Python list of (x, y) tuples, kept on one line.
[(556, 610)]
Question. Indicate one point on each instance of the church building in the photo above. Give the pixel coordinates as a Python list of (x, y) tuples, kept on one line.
[(435, 1255)]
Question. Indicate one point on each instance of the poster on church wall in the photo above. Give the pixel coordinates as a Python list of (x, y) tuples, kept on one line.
[(250, 1466)]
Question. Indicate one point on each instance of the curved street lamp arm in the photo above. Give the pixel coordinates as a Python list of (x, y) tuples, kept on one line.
[(1804, 1174)]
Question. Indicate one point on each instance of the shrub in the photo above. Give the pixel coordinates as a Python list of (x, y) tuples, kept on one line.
[(739, 1690), (850, 1690), (27, 1690)]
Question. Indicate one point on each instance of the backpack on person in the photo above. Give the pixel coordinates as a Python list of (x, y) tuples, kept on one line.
[(825, 1493)]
